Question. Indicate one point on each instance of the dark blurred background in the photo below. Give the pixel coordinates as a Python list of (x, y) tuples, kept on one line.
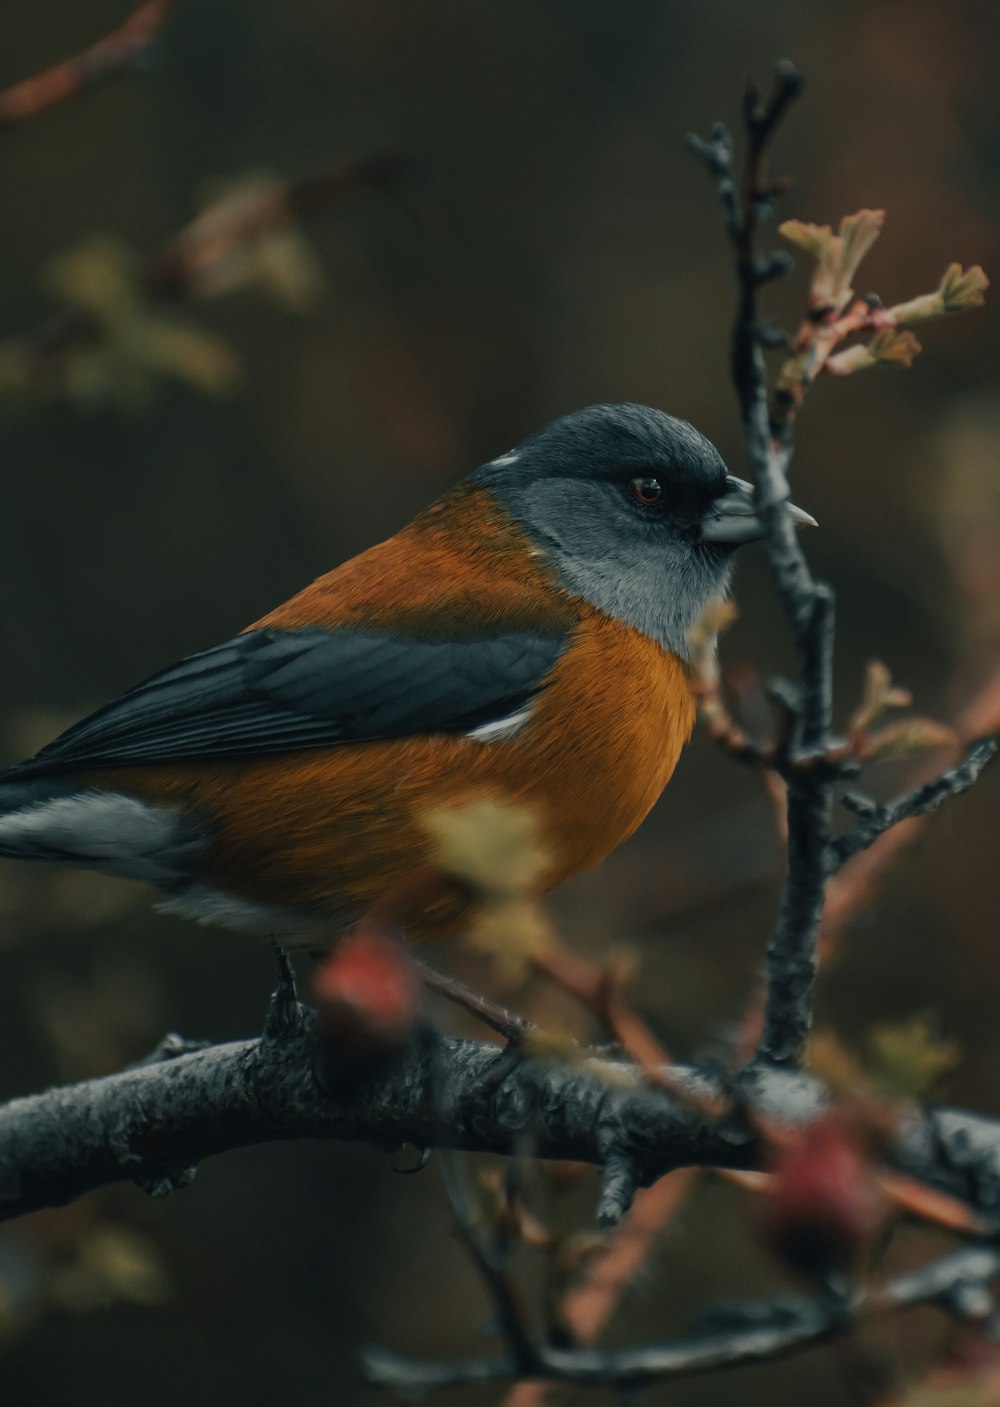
[(554, 246)]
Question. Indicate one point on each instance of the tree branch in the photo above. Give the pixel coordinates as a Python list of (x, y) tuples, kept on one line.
[(808, 604), (122, 49), (155, 1121), (764, 1330), (876, 820), (187, 261)]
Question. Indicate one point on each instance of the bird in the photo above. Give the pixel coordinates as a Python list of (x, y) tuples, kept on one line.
[(524, 639)]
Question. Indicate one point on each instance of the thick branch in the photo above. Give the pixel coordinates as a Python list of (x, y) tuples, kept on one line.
[(155, 1122)]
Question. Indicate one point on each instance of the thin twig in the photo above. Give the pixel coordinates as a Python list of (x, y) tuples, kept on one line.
[(123, 49), (919, 801), (853, 889), (182, 265), (493, 1264), (498, 1018), (807, 603), (763, 1331), (588, 1305)]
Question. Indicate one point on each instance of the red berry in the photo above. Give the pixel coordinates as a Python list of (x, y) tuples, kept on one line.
[(368, 994)]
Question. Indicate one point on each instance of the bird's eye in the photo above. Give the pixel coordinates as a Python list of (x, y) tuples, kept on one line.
[(646, 491)]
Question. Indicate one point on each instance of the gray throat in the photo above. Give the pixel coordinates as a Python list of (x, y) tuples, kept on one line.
[(658, 586)]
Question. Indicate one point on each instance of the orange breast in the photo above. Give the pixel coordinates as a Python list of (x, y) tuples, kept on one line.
[(329, 832)]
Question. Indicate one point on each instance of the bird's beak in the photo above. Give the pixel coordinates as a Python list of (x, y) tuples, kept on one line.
[(732, 518)]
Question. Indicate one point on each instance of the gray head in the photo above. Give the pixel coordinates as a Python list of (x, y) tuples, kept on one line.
[(636, 511)]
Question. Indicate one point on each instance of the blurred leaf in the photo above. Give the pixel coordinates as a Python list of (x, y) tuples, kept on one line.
[(891, 348), (493, 845), (910, 1057), (887, 348), (494, 849), (190, 354), (840, 1069), (850, 361), (127, 343), (962, 289), (510, 932), (559, 1047), (878, 694), (812, 238), (907, 1059), (111, 1264), (907, 735), (703, 638), (958, 290), (277, 259), (101, 277)]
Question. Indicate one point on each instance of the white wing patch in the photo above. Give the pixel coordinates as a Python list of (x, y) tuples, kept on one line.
[(502, 728)]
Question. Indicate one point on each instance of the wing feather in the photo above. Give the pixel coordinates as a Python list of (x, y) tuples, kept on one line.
[(270, 691)]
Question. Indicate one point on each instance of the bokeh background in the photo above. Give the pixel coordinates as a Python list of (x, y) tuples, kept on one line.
[(552, 247)]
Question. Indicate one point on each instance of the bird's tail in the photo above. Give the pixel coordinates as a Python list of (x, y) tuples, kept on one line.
[(20, 797), (67, 820)]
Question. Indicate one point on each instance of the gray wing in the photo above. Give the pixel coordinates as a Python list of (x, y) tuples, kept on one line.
[(272, 691)]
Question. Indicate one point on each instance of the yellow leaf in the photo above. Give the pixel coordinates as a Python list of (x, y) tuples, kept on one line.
[(910, 1058), (879, 693), (837, 255), (839, 1068), (958, 290), (908, 735), (963, 289), (849, 361), (112, 1263), (100, 276), (812, 238), (493, 845), (714, 620), (188, 353), (244, 238), (494, 848), (894, 348), (555, 1046)]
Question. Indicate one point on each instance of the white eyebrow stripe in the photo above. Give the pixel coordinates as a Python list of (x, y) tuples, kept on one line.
[(511, 457)]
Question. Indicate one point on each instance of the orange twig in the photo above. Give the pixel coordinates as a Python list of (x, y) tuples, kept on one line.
[(589, 1305), (851, 891), (907, 1195), (604, 992), (117, 51), (183, 263)]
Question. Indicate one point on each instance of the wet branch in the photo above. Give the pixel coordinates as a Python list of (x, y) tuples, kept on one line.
[(156, 1121)]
